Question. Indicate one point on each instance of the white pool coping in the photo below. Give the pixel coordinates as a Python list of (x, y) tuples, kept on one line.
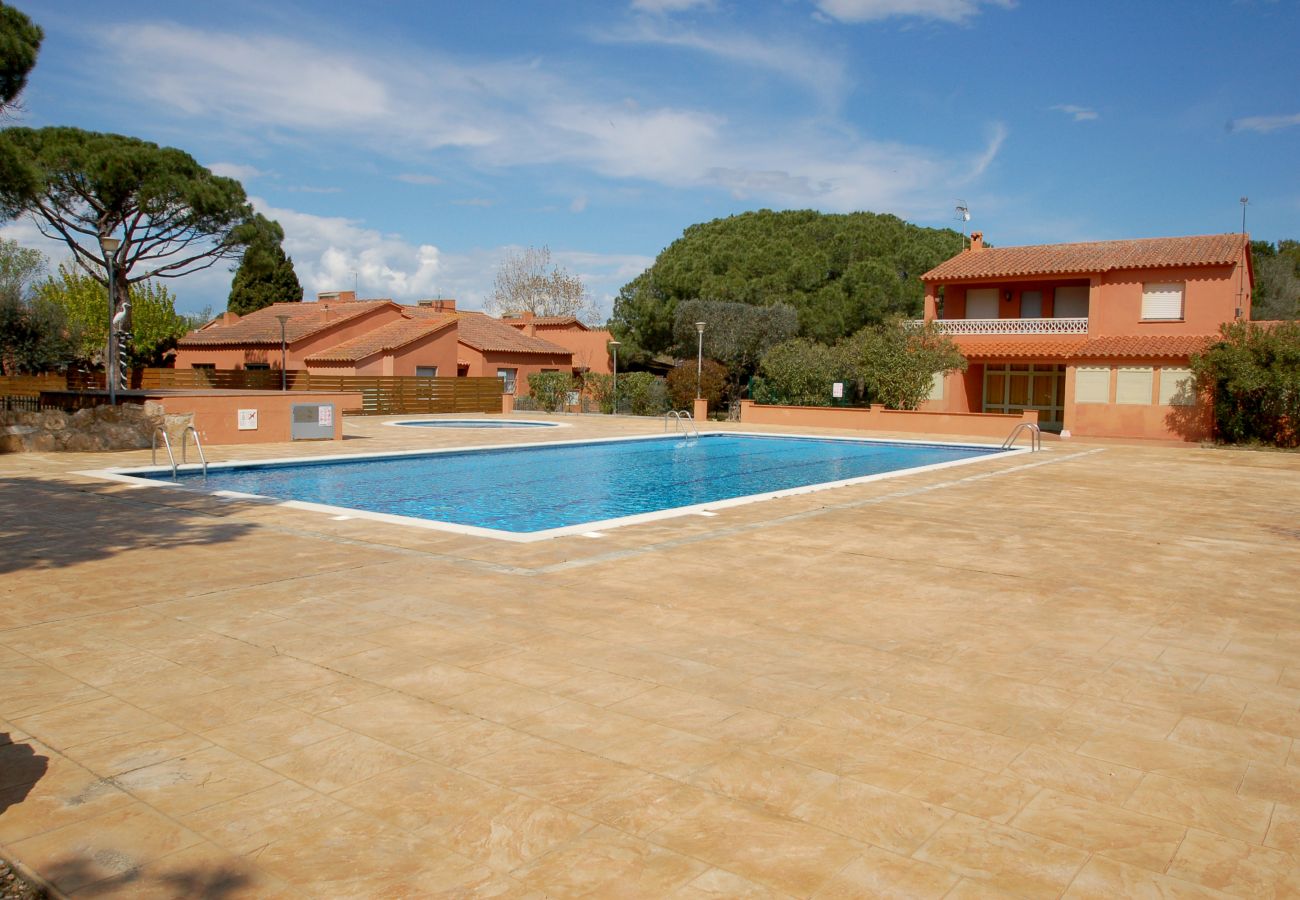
[(137, 477)]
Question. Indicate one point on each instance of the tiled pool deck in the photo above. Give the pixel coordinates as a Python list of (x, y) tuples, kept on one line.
[(1069, 674)]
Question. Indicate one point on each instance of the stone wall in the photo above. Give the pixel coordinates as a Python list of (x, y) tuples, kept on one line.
[(127, 426)]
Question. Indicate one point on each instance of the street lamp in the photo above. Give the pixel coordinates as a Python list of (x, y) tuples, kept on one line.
[(699, 357), (109, 245), (614, 345), (284, 373)]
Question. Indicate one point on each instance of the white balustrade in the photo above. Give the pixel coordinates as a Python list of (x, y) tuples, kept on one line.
[(1011, 326)]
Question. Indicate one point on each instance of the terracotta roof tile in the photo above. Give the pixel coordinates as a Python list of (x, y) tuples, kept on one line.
[(386, 337), (546, 321), (992, 346), (1086, 258), (1166, 345), (262, 326), (482, 332)]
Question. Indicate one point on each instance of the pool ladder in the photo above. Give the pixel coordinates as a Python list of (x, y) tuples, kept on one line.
[(682, 421), (171, 457), (1035, 436)]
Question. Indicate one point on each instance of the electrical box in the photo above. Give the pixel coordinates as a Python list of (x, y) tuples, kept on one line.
[(312, 422)]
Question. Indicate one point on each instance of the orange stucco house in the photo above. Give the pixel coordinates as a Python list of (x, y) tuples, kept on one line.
[(1097, 337), (590, 346), (340, 335)]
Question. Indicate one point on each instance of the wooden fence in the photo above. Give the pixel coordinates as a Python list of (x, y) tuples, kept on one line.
[(380, 396)]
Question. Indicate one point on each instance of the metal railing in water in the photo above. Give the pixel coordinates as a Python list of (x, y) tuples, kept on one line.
[(171, 457), (682, 421), (1035, 436)]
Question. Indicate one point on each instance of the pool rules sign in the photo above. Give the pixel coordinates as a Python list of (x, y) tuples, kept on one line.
[(248, 420)]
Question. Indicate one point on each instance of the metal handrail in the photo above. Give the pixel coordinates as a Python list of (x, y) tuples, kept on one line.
[(1035, 436), (167, 442), (684, 421), (198, 445)]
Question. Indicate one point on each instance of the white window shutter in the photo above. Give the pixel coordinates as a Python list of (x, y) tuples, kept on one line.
[(982, 303), (1092, 384), (1133, 385), (1162, 302)]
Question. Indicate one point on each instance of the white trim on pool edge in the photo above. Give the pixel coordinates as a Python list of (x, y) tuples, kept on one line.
[(474, 423), (133, 475)]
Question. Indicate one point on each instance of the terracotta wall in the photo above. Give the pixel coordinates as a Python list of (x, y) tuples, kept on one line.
[(437, 349), (590, 348), (983, 425), (1153, 421), (485, 364), (1209, 299), (297, 352), (216, 413)]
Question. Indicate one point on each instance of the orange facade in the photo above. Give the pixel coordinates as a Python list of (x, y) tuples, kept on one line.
[(1096, 337)]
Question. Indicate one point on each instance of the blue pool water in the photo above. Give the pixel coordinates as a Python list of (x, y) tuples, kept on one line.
[(530, 489), (475, 423)]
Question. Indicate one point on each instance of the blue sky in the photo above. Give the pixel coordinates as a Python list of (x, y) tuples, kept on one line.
[(407, 146)]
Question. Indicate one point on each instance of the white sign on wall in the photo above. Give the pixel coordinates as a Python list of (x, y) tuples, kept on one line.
[(248, 420), (837, 390), (325, 415)]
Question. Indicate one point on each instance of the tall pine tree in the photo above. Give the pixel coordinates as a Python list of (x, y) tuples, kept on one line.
[(265, 276)]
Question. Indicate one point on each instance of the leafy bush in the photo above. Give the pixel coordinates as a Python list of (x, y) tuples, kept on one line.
[(800, 372), (550, 390), (1253, 373), (599, 388), (642, 394), (681, 383), (897, 361)]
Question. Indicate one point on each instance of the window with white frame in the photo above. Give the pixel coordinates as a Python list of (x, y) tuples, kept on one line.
[(1133, 385), (508, 377), (1162, 301), (1177, 387), (1092, 384)]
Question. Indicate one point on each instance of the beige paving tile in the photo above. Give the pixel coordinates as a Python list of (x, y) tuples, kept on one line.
[(63, 794), (645, 804), (1235, 867), (969, 746), (873, 815), (604, 862), (560, 775), (1202, 807), (254, 820), (972, 791), (1284, 830), (1102, 828), (780, 854), (101, 847), (337, 762), (458, 747), (397, 719), (879, 873), (718, 883), (1249, 743), (1098, 780), (1196, 765), (775, 784), (1004, 857), (1104, 879), (81, 723), (272, 734)]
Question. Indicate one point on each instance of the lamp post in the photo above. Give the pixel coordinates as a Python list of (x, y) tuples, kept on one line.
[(614, 345), (284, 373), (109, 245), (699, 357)]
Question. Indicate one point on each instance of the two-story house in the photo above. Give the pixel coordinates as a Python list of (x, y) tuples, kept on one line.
[(1097, 337)]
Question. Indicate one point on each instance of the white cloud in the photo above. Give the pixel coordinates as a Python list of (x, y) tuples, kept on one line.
[(578, 204), (955, 11), (1265, 124), (416, 178), (236, 171), (815, 67), (1078, 113)]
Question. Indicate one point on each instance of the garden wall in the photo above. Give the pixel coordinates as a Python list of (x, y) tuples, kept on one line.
[(876, 418)]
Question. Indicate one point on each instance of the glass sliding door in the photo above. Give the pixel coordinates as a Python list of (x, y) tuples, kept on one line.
[(1014, 387)]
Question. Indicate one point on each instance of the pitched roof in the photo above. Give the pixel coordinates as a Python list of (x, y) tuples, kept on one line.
[(1169, 346), (482, 332), (384, 338), (262, 326), (546, 321), (1087, 258)]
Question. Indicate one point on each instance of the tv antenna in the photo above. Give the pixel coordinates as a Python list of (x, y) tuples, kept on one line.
[(963, 211), (1245, 201)]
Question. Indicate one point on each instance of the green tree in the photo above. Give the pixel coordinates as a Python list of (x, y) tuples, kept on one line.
[(34, 335), (20, 42), (265, 275), (839, 272), (642, 394), (712, 383), (897, 361), (171, 215), (1277, 280), (735, 334), (1253, 374), (801, 372), (83, 300)]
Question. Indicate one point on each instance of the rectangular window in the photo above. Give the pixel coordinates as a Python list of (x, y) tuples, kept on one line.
[(1031, 305), (203, 365), (1092, 384), (1070, 302), (1177, 387), (982, 303), (1133, 385), (508, 376), (426, 371), (257, 367), (1162, 302)]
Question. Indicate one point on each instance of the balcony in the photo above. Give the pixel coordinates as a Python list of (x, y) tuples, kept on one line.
[(1011, 326)]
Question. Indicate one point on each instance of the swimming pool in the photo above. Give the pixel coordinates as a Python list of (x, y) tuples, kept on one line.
[(474, 423), (535, 491)]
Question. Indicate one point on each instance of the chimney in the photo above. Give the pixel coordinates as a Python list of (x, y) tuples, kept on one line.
[(326, 312), (977, 240), (530, 327), (229, 318), (337, 296)]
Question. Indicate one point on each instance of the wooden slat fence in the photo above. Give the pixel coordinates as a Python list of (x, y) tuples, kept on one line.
[(381, 395)]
